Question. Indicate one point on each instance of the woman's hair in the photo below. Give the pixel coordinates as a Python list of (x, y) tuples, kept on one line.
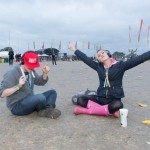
[(107, 51)]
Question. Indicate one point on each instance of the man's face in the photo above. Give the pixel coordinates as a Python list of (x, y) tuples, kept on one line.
[(27, 68), (102, 55)]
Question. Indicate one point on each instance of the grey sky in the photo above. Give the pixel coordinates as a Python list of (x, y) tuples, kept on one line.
[(102, 22)]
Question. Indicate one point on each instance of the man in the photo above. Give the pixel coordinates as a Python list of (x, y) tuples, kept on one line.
[(53, 58), (17, 86), (11, 57)]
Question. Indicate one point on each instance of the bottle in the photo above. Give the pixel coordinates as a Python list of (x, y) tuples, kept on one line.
[(123, 117)]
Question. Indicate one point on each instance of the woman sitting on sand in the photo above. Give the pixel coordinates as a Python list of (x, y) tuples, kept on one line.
[(110, 91)]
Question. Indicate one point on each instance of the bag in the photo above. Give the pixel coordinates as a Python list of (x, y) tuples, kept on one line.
[(80, 93)]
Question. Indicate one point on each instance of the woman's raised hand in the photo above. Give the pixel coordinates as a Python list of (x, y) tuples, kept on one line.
[(71, 47)]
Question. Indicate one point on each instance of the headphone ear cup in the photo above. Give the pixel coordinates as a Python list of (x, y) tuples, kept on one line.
[(109, 54)]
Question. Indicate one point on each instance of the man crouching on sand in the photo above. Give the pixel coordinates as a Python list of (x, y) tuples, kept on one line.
[(17, 86)]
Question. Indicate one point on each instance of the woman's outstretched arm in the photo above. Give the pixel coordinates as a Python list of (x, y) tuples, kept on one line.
[(87, 60), (136, 60)]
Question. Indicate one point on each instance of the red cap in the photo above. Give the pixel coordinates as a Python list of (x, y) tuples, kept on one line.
[(31, 60)]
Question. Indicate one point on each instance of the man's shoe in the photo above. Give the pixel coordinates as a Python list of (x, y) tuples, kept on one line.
[(50, 113)]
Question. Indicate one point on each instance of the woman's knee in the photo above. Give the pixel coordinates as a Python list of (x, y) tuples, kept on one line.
[(82, 101), (119, 104), (114, 106)]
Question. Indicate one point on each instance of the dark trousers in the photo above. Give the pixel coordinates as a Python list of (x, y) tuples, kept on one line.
[(113, 104), (54, 61)]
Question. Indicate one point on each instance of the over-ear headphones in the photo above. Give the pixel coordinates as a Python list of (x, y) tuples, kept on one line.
[(22, 58), (108, 53)]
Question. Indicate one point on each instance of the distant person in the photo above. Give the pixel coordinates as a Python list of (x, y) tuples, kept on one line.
[(18, 57), (110, 90), (54, 58), (18, 85), (11, 57)]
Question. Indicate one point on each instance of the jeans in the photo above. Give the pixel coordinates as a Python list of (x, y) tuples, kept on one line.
[(35, 103)]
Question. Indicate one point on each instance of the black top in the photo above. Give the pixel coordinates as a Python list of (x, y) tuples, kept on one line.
[(11, 55), (115, 73)]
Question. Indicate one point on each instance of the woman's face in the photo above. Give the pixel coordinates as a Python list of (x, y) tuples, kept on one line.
[(102, 55)]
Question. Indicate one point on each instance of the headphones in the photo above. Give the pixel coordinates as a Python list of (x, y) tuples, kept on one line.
[(108, 53), (22, 58)]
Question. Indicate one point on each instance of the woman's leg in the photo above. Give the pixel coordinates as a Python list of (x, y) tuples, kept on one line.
[(83, 100), (92, 106), (114, 106), (98, 106)]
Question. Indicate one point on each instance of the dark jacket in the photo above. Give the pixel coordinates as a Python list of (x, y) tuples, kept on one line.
[(115, 74)]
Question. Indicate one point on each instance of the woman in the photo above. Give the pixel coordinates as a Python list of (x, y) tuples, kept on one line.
[(110, 91)]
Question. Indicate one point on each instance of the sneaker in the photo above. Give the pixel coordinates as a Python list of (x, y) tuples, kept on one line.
[(88, 92), (50, 113), (83, 92), (74, 100)]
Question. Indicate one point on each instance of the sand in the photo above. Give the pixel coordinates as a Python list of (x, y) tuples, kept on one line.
[(81, 132)]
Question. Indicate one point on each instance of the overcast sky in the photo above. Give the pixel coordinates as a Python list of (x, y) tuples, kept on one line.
[(102, 22)]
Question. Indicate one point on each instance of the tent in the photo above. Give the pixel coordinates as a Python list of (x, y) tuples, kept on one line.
[(4, 53), (47, 51)]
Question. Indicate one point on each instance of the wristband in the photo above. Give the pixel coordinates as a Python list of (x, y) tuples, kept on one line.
[(17, 87)]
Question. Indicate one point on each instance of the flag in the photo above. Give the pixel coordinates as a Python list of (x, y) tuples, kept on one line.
[(43, 45), (68, 43), (51, 45), (88, 45), (60, 45), (34, 45), (83, 44), (129, 34), (148, 34), (76, 45), (28, 46), (95, 46), (140, 30), (100, 47)]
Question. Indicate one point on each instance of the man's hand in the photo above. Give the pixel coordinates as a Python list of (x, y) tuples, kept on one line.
[(22, 81), (45, 69)]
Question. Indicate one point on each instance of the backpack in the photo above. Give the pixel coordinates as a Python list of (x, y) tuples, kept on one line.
[(80, 93)]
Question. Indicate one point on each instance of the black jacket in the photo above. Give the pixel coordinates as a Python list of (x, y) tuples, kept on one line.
[(115, 74)]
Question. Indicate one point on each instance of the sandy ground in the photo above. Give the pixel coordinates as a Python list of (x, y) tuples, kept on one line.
[(82, 132)]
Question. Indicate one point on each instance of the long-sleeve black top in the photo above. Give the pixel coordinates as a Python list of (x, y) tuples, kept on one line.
[(115, 74)]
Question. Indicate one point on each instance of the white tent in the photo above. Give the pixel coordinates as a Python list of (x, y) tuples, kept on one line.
[(4, 54), (43, 55)]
